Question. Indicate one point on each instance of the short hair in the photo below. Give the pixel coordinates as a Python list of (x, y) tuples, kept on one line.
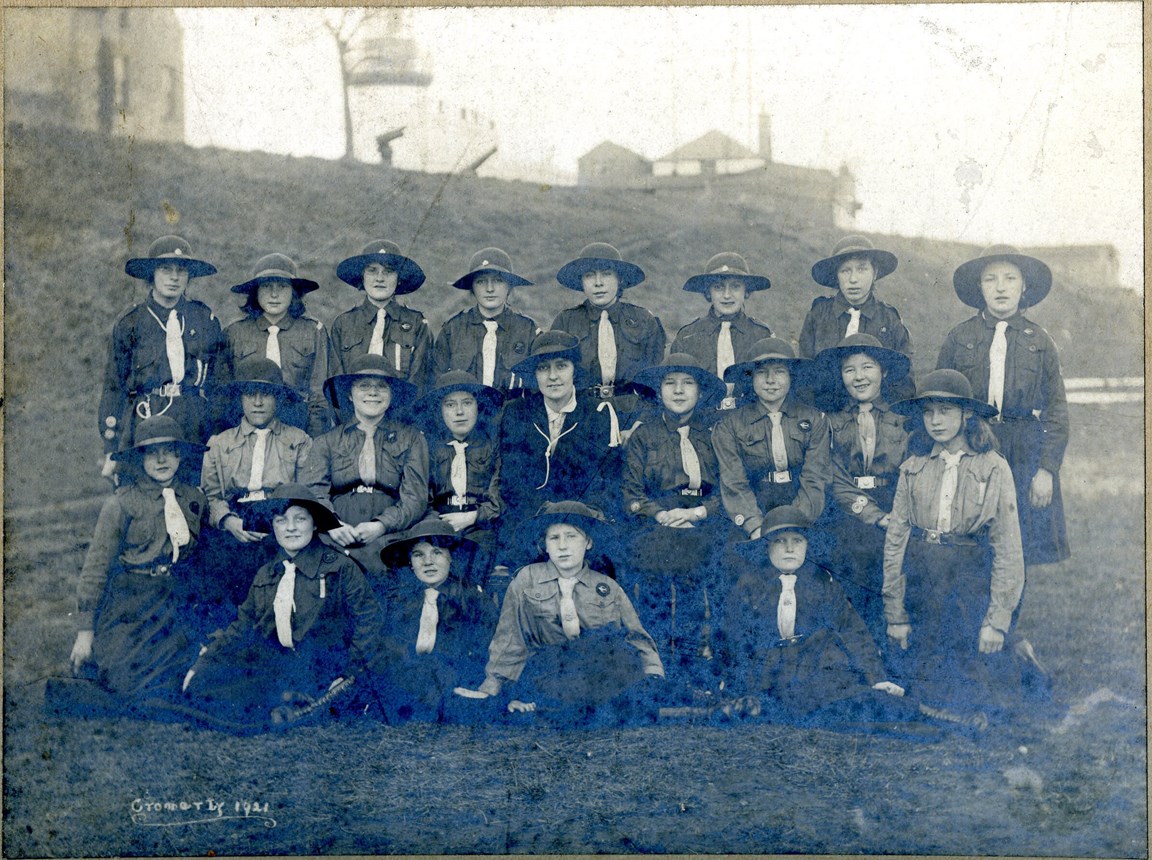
[(252, 307)]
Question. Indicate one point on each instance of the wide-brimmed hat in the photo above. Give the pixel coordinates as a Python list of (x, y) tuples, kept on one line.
[(779, 519), (896, 364), (711, 388), (164, 252), (432, 531), (588, 519), (427, 407), (593, 258), (824, 271), (490, 261), (287, 495), (950, 385), (548, 345), (158, 431), (409, 276), (368, 365), (1037, 276), (764, 350), (723, 266), (259, 374), (276, 268)]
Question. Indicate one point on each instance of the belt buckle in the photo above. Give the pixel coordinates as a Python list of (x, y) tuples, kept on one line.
[(933, 536), (866, 482), (253, 496), (458, 501), (161, 570), (688, 491), (781, 477), (728, 403), (169, 389), (363, 489)]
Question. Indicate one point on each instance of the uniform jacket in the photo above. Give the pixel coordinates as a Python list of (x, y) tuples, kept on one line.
[(699, 337), (466, 619), (830, 657), (228, 463), (482, 457), (985, 500), (458, 345), (582, 466), (130, 533), (653, 468), (407, 340), (303, 359), (332, 470), (740, 441), (335, 608), (138, 359), (530, 618), (640, 337), (868, 505), (828, 318), (1033, 385)]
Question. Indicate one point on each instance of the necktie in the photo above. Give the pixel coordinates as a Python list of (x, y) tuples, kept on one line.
[(866, 429), (458, 474), (948, 489), (272, 351), (786, 608), (429, 618), (174, 523), (568, 618), (259, 453), (725, 354), (996, 354), (488, 353), (689, 458), (606, 349), (367, 461), (853, 321), (779, 452), (284, 604), (376, 345), (174, 346)]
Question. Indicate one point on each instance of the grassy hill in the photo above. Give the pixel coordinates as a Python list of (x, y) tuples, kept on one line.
[(77, 206)]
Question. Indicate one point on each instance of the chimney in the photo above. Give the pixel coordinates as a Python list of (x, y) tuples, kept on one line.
[(765, 136)]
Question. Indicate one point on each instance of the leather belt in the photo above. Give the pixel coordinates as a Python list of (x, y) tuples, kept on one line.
[(151, 570), (868, 482), (939, 538), (363, 488)]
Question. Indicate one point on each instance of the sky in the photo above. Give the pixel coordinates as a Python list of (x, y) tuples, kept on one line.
[(981, 123)]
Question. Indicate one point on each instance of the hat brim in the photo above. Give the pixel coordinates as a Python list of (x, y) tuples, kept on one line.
[(1037, 279), (427, 406), (409, 276), (338, 389), (465, 283), (534, 528), (144, 267), (712, 390), (914, 406), (301, 285), (397, 554), (745, 369), (572, 274), (824, 271), (526, 369), (324, 519), (827, 363), (703, 283), (748, 548), (186, 448), (284, 393)]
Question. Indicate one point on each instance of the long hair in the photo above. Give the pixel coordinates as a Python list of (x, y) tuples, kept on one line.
[(252, 307), (976, 431)]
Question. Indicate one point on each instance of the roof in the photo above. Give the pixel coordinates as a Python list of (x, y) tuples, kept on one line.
[(609, 150), (711, 146)]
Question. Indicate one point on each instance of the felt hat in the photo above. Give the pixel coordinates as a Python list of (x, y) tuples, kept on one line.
[(712, 390), (276, 268), (1037, 276), (164, 252), (764, 350), (548, 345), (409, 276), (589, 520), (368, 365), (432, 531), (287, 495), (950, 385), (722, 267), (593, 258), (824, 271), (427, 406), (490, 261), (157, 431), (895, 364), (779, 519), (259, 374)]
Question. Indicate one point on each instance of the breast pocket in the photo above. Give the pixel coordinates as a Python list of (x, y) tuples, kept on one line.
[(1023, 390), (297, 363), (752, 447), (401, 346)]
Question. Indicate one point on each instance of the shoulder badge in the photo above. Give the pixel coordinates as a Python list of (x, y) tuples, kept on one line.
[(391, 436), (319, 326), (328, 557), (194, 507), (883, 329), (969, 346), (405, 326), (1029, 331), (805, 425), (631, 321), (520, 348), (602, 589)]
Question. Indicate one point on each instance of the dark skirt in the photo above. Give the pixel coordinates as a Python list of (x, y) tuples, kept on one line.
[(1042, 530), (858, 565), (592, 669)]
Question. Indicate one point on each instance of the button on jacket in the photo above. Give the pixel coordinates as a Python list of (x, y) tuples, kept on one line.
[(130, 533), (848, 461), (654, 472), (530, 618), (482, 458), (828, 318), (699, 337), (228, 463), (332, 471), (303, 359), (138, 361), (740, 441), (459, 345), (640, 337), (407, 340), (985, 499)]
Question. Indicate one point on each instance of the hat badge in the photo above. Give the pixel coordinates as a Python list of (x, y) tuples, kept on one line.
[(178, 252), (382, 251), (485, 263), (724, 268)]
